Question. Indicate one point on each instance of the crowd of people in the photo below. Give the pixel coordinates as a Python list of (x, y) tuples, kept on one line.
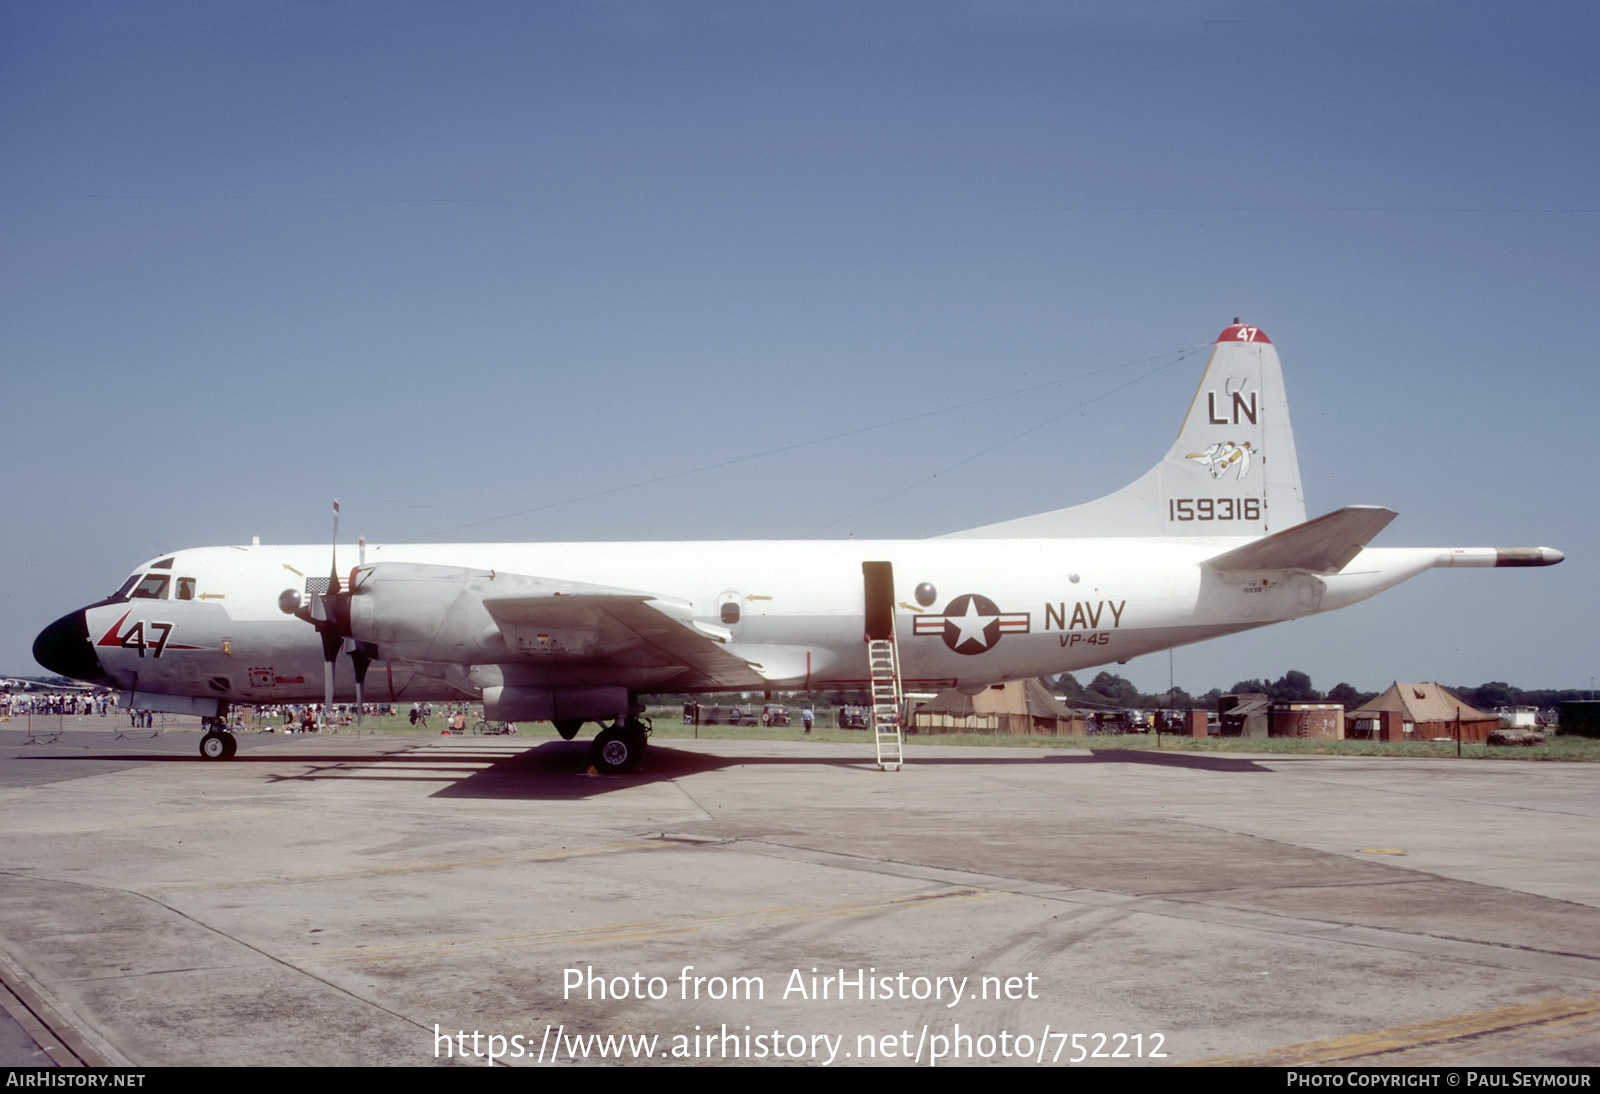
[(281, 717), (96, 704), (69, 704), (307, 717)]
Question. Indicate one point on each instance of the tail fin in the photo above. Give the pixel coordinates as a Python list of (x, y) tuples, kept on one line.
[(1232, 471)]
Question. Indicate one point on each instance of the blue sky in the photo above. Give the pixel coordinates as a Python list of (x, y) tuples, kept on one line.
[(486, 266)]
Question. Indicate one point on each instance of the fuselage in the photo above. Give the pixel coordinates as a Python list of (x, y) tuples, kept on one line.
[(205, 625)]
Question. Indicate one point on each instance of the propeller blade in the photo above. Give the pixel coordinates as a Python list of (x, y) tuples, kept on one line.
[(362, 659), (332, 643), (329, 613), (333, 572), (327, 692)]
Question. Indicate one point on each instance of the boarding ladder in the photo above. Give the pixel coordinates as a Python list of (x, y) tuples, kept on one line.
[(883, 668)]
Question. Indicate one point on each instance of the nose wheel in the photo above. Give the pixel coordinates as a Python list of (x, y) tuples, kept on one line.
[(218, 745)]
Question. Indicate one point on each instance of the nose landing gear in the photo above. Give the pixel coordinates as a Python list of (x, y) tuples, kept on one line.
[(218, 743)]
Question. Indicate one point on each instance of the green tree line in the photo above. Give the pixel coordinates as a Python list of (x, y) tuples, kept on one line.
[(1108, 690)]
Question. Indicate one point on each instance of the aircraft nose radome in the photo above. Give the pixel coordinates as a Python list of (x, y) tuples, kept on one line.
[(63, 648)]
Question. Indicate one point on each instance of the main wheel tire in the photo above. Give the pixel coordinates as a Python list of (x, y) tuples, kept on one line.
[(567, 727), (232, 745), (616, 750), (216, 746)]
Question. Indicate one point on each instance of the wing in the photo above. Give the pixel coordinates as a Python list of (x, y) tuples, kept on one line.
[(455, 615), (619, 627)]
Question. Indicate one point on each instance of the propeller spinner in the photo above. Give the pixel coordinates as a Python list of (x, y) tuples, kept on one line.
[(329, 613)]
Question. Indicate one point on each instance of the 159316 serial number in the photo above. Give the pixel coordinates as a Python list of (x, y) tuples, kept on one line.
[(1213, 508)]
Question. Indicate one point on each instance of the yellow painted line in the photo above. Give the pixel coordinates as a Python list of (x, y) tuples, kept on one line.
[(631, 931), (1356, 1046), (1379, 851)]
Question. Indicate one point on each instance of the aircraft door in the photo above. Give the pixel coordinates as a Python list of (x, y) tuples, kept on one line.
[(878, 580)]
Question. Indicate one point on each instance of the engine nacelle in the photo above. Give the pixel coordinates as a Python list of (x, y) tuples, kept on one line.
[(522, 703), (417, 612)]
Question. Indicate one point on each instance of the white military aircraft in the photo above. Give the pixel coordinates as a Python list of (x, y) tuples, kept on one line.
[(1214, 539)]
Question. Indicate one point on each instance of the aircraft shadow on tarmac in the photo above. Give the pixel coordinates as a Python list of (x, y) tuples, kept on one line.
[(559, 770), (1193, 761)]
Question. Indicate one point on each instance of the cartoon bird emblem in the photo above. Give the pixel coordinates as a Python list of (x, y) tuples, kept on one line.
[(1224, 455)]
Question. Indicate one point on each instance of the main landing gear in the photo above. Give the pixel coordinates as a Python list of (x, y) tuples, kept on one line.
[(620, 747), (218, 743)]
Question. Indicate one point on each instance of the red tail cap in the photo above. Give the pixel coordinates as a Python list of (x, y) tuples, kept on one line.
[(1238, 332)]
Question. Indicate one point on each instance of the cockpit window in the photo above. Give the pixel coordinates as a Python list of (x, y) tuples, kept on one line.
[(164, 564), (153, 587), (186, 588), (127, 587)]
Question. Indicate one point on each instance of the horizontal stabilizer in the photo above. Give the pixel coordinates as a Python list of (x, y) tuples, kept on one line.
[(1323, 546)]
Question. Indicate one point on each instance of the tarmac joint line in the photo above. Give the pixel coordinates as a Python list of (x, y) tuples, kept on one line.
[(1359, 1047)]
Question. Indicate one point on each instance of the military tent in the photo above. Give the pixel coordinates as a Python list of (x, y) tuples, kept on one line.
[(1020, 707), (1431, 712)]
